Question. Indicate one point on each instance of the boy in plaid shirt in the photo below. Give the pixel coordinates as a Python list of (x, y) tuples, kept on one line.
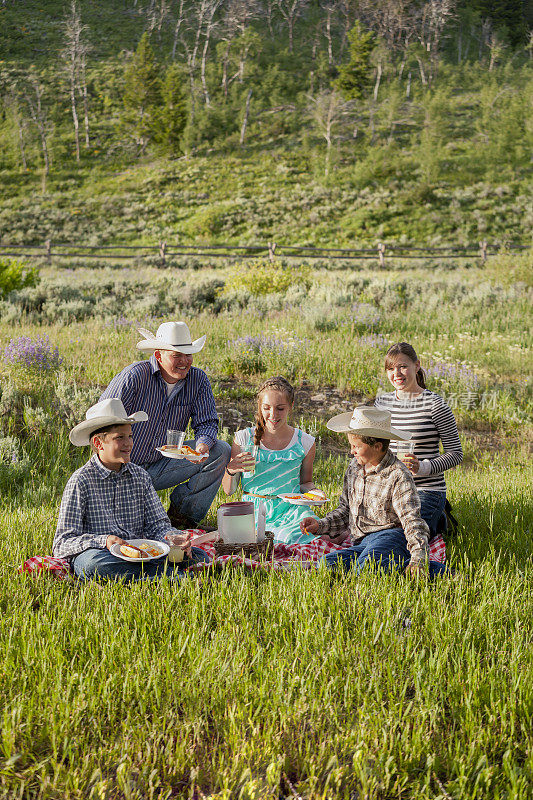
[(379, 505), (109, 501)]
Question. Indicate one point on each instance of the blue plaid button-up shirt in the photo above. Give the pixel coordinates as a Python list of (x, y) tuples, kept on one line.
[(141, 387), (98, 503)]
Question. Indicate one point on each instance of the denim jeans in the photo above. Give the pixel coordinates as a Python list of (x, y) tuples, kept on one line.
[(384, 549), (95, 563), (196, 484), (431, 508)]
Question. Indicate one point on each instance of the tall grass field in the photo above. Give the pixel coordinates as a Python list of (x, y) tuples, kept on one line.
[(293, 685)]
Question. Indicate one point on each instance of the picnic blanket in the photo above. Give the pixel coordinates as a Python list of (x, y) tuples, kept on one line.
[(306, 555), (285, 557)]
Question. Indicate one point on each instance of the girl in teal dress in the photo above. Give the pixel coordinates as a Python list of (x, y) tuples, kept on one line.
[(283, 462)]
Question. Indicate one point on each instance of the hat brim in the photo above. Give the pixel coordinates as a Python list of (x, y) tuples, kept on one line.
[(81, 434), (341, 424), (151, 345)]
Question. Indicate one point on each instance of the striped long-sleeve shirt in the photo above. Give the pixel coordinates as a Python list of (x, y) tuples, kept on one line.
[(430, 421), (141, 387)]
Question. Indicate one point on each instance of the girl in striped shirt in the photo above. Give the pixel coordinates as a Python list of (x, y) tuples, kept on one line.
[(430, 421)]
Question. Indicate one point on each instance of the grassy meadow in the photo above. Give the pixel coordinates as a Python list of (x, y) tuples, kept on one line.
[(273, 686)]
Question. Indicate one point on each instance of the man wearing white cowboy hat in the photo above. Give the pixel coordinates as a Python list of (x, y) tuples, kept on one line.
[(173, 393), (109, 501), (379, 504)]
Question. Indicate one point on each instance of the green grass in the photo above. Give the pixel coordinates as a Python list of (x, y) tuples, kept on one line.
[(273, 686), (249, 684)]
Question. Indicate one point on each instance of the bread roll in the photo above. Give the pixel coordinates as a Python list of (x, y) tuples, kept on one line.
[(129, 552)]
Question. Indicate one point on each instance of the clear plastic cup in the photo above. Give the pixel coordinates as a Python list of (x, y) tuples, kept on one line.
[(403, 449), (253, 449), (175, 438)]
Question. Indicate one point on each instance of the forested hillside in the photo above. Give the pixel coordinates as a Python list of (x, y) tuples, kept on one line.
[(308, 121)]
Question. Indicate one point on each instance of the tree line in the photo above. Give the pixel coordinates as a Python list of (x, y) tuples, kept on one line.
[(203, 69)]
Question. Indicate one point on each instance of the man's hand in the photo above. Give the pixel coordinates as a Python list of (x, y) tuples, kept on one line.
[(182, 540), (202, 448), (416, 570), (309, 525), (111, 540)]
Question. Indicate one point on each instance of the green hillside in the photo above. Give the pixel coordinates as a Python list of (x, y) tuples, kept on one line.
[(363, 128)]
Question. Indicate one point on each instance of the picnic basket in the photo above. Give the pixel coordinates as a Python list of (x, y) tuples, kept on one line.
[(256, 550)]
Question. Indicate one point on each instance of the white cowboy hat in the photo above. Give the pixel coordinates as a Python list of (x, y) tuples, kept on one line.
[(367, 421), (106, 412), (170, 336)]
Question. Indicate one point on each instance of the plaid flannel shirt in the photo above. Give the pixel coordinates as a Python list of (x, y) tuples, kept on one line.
[(377, 498), (98, 503)]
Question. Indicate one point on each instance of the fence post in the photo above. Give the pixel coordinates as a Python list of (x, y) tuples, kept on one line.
[(381, 251), (162, 251), (272, 251), (483, 248), (48, 249)]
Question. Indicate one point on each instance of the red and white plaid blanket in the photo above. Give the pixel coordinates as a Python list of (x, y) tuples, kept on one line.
[(305, 555), (285, 557)]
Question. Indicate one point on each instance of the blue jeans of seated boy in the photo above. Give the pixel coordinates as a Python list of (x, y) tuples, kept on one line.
[(386, 549), (196, 484), (96, 563), (431, 508)]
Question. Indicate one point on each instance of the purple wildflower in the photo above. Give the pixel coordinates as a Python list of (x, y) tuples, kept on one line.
[(35, 354), (375, 340), (271, 345), (447, 373)]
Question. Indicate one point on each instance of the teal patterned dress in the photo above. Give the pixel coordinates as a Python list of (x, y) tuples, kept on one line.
[(278, 472)]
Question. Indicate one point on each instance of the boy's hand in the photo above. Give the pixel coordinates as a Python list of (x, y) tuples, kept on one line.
[(111, 540), (182, 540), (309, 525), (416, 570)]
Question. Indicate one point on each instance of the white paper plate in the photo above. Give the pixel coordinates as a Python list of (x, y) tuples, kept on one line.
[(180, 456), (163, 546), (303, 502)]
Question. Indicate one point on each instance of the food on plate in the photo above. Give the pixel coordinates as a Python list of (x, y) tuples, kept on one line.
[(188, 451), (315, 494), (293, 497), (185, 450), (130, 551), (152, 549)]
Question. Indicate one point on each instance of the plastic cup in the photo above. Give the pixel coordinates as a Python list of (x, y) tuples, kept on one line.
[(403, 449), (252, 449), (175, 438)]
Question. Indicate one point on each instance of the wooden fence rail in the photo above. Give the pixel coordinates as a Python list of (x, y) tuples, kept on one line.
[(271, 250)]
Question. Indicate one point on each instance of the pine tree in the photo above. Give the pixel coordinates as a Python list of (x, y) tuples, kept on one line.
[(143, 95), (355, 77), (175, 114)]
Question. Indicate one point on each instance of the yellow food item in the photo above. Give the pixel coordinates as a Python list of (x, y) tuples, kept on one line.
[(315, 494), (129, 552)]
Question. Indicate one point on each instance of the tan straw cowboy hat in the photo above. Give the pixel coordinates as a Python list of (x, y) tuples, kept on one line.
[(174, 336), (367, 421), (106, 412)]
